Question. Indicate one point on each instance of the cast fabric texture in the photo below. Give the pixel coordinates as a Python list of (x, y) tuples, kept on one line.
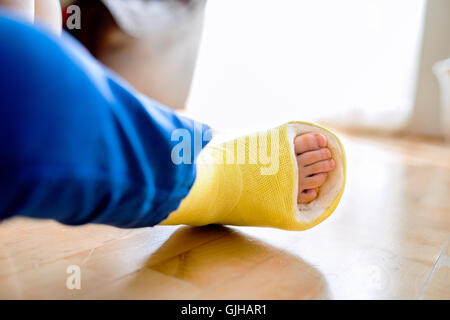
[(77, 143), (233, 187)]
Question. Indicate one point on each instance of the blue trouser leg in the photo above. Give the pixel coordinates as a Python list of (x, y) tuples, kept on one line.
[(79, 145)]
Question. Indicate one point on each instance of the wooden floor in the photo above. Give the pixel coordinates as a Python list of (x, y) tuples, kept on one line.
[(389, 239)]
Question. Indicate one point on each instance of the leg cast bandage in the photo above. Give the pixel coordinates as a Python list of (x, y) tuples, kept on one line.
[(253, 181)]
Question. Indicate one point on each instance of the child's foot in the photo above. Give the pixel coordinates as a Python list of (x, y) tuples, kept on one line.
[(241, 194), (314, 161)]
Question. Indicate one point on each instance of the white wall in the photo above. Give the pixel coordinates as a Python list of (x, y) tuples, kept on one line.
[(435, 47), (265, 61)]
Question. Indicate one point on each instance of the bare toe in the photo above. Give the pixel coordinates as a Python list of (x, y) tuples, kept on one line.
[(311, 157), (314, 161), (318, 167), (307, 196), (309, 142), (313, 181)]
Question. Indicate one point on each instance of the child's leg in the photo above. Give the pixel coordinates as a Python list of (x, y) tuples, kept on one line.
[(282, 178), (79, 145)]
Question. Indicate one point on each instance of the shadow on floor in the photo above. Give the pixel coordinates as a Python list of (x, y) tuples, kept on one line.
[(218, 262)]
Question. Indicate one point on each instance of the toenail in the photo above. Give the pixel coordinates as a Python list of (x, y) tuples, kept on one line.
[(319, 135), (332, 163), (322, 139)]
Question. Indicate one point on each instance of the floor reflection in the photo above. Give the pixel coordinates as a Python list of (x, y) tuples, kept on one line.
[(10, 287), (222, 263)]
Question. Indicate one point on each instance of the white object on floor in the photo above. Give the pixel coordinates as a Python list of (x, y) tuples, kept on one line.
[(442, 71)]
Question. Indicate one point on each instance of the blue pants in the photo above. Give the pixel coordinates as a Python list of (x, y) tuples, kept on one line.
[(77, 143)]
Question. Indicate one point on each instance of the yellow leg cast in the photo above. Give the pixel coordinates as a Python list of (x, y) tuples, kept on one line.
[(253, 181)]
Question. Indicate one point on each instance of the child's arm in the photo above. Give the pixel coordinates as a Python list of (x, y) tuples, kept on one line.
[(79, 145), (47, 12)]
